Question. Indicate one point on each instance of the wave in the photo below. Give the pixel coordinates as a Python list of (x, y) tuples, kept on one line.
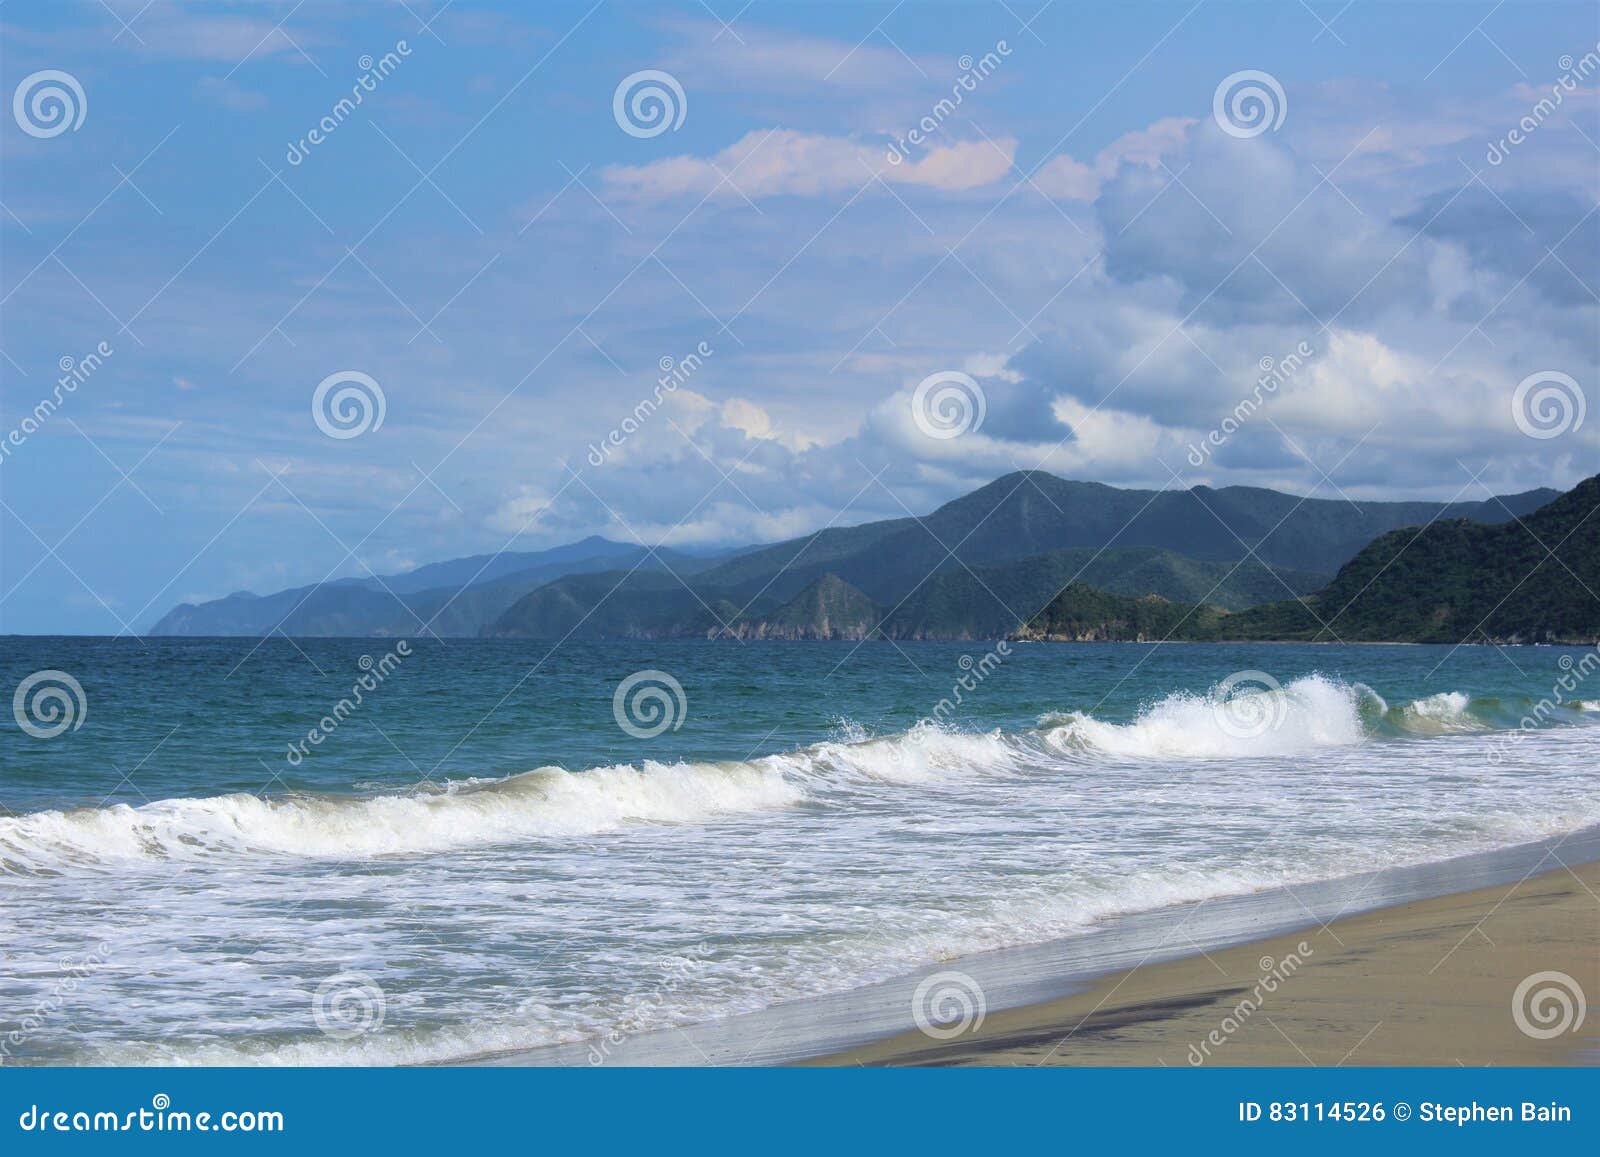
[(1270, 720), (547, 803), (1234, 721), (1263, 720), (1446, 713)]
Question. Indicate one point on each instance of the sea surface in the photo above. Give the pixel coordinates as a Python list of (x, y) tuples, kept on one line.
[(487, 851)]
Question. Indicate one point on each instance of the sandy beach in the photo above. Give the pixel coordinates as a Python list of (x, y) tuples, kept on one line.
[(1432, 982)]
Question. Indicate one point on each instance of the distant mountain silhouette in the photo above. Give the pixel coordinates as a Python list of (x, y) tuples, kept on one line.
[(448, 598)]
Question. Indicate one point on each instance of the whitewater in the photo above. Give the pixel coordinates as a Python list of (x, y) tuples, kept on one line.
[(550, 803), (476, 915)]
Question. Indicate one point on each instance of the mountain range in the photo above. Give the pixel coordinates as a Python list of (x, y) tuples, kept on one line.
[(457, 597), (976, 567), (1533, 579)]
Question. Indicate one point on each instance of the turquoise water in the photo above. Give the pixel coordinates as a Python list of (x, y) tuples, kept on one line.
[(477, 856)]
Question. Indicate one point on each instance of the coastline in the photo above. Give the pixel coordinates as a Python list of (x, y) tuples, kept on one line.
[(1428, 982), (1037, 986)]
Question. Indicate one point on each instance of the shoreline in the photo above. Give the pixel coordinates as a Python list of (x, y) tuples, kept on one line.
[(1427, 982), (869, 1024)]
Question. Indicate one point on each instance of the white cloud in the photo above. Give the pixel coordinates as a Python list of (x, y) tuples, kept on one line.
[(524, 512), (747, 417), (768, 59), (169, 30), (785, 162), (1069, 179)]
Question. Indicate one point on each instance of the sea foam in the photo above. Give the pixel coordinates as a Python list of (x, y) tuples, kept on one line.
[(1306, 714), (552, 804)]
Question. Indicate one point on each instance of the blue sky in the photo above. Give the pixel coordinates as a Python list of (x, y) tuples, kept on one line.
[(1081, 240)]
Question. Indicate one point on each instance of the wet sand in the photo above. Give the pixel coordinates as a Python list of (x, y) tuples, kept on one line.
[(1431, 982)]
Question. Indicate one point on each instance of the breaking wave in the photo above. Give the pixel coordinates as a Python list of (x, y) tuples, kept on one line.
[(553, 804)]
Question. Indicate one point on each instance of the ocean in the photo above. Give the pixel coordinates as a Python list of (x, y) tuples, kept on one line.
[(360, 851)]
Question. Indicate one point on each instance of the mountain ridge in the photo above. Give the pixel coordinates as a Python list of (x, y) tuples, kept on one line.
[(904, 565), (828, 609), (1535, 579), (1532, 580), (381, 608), (976, 566)]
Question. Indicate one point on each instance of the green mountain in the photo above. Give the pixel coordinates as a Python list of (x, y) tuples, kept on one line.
[(975, 567), (1082, 614), (983, 563), (829, 608), (989, 602), (1533, 580), (615, 605), (1030, 513), (1536, 580)]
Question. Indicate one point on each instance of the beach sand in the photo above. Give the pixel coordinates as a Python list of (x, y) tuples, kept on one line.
[(1426, 983)]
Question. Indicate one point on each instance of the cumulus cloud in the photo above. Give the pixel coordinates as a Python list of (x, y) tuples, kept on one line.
[(525, 511), (1247, 229), (1326, 318), (1072, 180), (1551, 237)]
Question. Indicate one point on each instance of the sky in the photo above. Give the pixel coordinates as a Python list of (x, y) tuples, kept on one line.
[(726, 272)]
